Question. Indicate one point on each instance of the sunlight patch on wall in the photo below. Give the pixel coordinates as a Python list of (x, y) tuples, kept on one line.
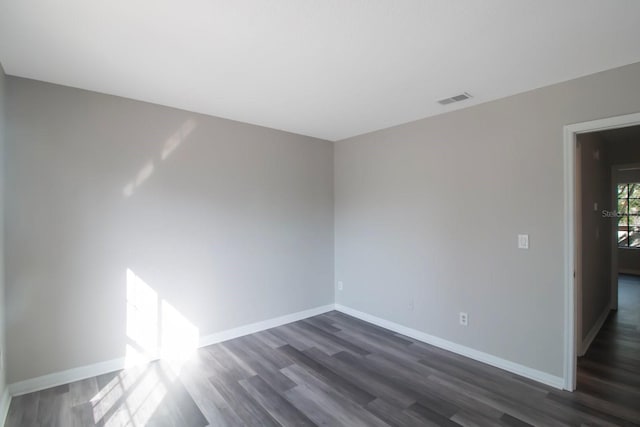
[(178, 339), (170, 145), (142, 321), (141, 177), (155, 328), (177, 138)]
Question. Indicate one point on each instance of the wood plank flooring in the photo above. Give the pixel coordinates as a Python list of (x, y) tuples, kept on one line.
[(610, 371), (335, 370)]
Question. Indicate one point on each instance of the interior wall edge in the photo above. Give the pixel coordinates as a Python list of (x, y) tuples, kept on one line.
[(594, 330), (4, 405)]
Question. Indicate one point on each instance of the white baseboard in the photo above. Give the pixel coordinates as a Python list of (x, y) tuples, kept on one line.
[(4, 406), (76, 374), (586, 342), (525, 371), (64, 377), (88, 371), (261, 326)]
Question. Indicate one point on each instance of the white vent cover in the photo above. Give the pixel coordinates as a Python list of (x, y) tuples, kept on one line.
[(453, 99)]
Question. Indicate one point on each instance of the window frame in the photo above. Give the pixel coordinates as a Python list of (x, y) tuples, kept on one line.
[(628, 228)]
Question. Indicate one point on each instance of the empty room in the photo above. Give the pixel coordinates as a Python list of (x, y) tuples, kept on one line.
[(337, 213)]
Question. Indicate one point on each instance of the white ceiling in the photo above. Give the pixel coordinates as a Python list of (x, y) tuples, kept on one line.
[(326, 68)]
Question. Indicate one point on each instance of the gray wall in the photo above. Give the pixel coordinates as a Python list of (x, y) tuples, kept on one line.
[(428, 212), (232, 223), (2, 272), (229, 223), (595, 228)]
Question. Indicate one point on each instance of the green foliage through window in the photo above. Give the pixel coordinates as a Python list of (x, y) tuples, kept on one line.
[(629, 215)]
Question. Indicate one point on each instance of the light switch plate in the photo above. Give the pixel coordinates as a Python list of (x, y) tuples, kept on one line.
[(523, 241)]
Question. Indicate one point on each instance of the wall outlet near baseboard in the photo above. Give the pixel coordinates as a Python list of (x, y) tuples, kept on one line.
[(464, 319), (340, 285)]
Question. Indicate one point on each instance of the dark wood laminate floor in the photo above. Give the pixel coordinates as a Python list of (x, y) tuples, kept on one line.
[(335, 370), (609, 374)]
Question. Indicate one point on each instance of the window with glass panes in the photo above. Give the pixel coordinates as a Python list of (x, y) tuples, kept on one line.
[(629, 215)]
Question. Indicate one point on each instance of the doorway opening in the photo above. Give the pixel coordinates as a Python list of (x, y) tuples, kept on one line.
[(602, 238)]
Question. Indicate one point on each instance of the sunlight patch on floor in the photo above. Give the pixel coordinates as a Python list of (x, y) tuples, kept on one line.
[(155, 329)]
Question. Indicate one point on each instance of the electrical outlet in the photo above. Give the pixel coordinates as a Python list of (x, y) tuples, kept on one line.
[(340, 286), (464, 319)]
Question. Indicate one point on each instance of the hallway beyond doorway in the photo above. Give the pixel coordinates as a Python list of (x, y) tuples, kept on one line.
[(611, 368)]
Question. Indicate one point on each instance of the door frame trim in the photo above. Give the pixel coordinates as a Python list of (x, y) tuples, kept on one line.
[(570, 248)]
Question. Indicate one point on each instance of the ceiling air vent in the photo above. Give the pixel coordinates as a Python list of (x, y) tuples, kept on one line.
[(453, 99)]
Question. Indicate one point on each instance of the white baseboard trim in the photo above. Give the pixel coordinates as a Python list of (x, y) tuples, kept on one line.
[(4, 406), (76, 374), (525, 371), (64, 377), (252, 328), (88, 371), (586, 342)]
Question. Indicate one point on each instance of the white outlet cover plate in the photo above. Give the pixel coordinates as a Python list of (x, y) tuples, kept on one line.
[(464, 319), (523, 241)]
